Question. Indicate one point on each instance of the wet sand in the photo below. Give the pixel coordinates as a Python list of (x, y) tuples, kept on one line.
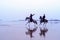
[(16, 31)]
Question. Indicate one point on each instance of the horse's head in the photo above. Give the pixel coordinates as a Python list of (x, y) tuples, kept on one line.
[(27, 18), (40, 17)]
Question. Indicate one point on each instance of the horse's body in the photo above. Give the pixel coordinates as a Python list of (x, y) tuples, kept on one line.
[(43, 20)]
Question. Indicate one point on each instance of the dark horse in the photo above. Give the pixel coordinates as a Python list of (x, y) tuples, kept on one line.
[(30, 19), (30, 31), (43, 20)]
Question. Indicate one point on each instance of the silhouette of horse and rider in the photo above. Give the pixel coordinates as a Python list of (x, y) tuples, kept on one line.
[(43, 20), (30, 19)]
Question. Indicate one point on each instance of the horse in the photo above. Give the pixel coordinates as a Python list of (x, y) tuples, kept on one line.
[(43, 20), (30, 19)]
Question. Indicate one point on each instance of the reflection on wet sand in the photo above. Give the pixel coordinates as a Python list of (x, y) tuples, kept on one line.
[(43, 31), (31, 31)]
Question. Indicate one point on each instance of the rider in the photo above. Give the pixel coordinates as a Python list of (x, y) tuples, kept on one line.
[(43, 17), (31, 19)]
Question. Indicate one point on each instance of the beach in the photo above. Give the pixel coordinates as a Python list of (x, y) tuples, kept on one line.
[(15, 30)]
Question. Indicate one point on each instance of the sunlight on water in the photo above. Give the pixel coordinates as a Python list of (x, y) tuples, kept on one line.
[(16, 31)]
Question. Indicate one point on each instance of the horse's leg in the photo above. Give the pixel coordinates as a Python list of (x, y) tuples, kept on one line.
[(45, 24), (34, 21), (40, 22), (26, 23), (29, 24)]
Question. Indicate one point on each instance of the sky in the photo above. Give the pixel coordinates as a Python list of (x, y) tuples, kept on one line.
[(20, 9)]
